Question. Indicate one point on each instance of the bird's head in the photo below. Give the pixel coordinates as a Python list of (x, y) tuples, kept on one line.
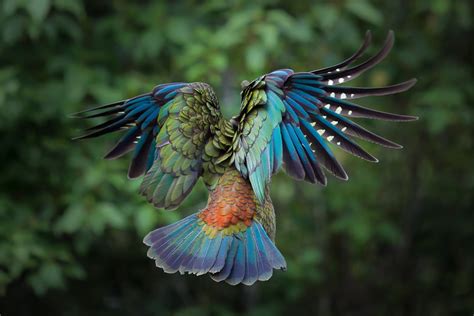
[(244, 84)]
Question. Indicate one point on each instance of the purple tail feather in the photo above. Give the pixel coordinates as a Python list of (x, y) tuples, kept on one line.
[(244, 257)]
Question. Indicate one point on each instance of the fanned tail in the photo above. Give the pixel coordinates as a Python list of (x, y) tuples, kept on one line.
[(191, 246)]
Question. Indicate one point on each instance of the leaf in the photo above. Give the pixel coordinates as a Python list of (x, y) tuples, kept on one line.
[(71, 220), (365, 11), (255, 57), (145, 219), (38, 9), (73, 6), (48, 276)]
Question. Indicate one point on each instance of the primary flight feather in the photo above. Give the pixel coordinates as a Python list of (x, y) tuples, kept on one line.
[(286, 120)]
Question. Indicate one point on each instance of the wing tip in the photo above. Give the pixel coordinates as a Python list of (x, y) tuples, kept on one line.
[(344, 178), (101, 107), (367, 41), (81, 137), (404, 118), (391, 36), (74, 115), (391, 145), (409, 83), (389, 41)]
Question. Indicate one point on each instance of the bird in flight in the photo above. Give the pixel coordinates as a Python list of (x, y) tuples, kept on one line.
[(178, 135)]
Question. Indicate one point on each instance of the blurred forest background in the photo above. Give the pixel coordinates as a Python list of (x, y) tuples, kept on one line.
[(397, 239)]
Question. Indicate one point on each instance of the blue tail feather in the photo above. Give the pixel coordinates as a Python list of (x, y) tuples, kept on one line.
[(221, 255), (264, 268), (251, 263), (229, 261), (198, 264), (238, 269), (243, 257), (172, 254), (276, 259), (169, 245), (179, 255)]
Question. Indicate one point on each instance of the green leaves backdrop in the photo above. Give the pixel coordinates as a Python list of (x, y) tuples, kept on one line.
[(397, 238)]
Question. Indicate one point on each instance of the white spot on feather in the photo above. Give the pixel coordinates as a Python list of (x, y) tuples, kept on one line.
[(338, 143), (350, 113), (337, 69), (324, 116), (334, 122), (341, 80), (330, 138), (344, 128), (352, 95), (343, 95), (332, 95), (313, 124), (321, 131), (330, 82), (327, 106), (338, 110)]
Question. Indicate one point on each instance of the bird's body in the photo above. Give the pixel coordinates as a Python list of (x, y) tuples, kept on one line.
[(232, 237), (233, 204), (178, 135)]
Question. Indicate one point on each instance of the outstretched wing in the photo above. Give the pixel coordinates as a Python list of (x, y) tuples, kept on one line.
[(167, 130), (287, 118)]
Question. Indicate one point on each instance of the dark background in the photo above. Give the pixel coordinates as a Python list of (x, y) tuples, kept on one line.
[(397, 239)]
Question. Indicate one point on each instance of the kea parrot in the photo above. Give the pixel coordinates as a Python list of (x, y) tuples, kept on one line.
[(287, 119)]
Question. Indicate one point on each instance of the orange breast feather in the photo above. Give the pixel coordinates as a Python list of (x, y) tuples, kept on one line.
[(231, 206)]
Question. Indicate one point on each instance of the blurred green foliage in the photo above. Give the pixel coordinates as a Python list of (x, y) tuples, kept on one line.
[(397, 239)]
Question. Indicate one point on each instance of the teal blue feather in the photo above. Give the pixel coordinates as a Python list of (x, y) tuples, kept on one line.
[(302, 101), (292, 114), (146, 115), (298, 108), (307, 96), (323, 152), (314, 165), (277, 149), (138, 109), (251, 265), (229, 262), (221, 254), (318, 137), (308, 169), (309, 88), (238, 269), (275, 101)]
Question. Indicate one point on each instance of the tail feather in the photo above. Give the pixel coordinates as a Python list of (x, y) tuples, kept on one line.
[(190, 246), (238, 269), (229, 262), (274, 257)]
